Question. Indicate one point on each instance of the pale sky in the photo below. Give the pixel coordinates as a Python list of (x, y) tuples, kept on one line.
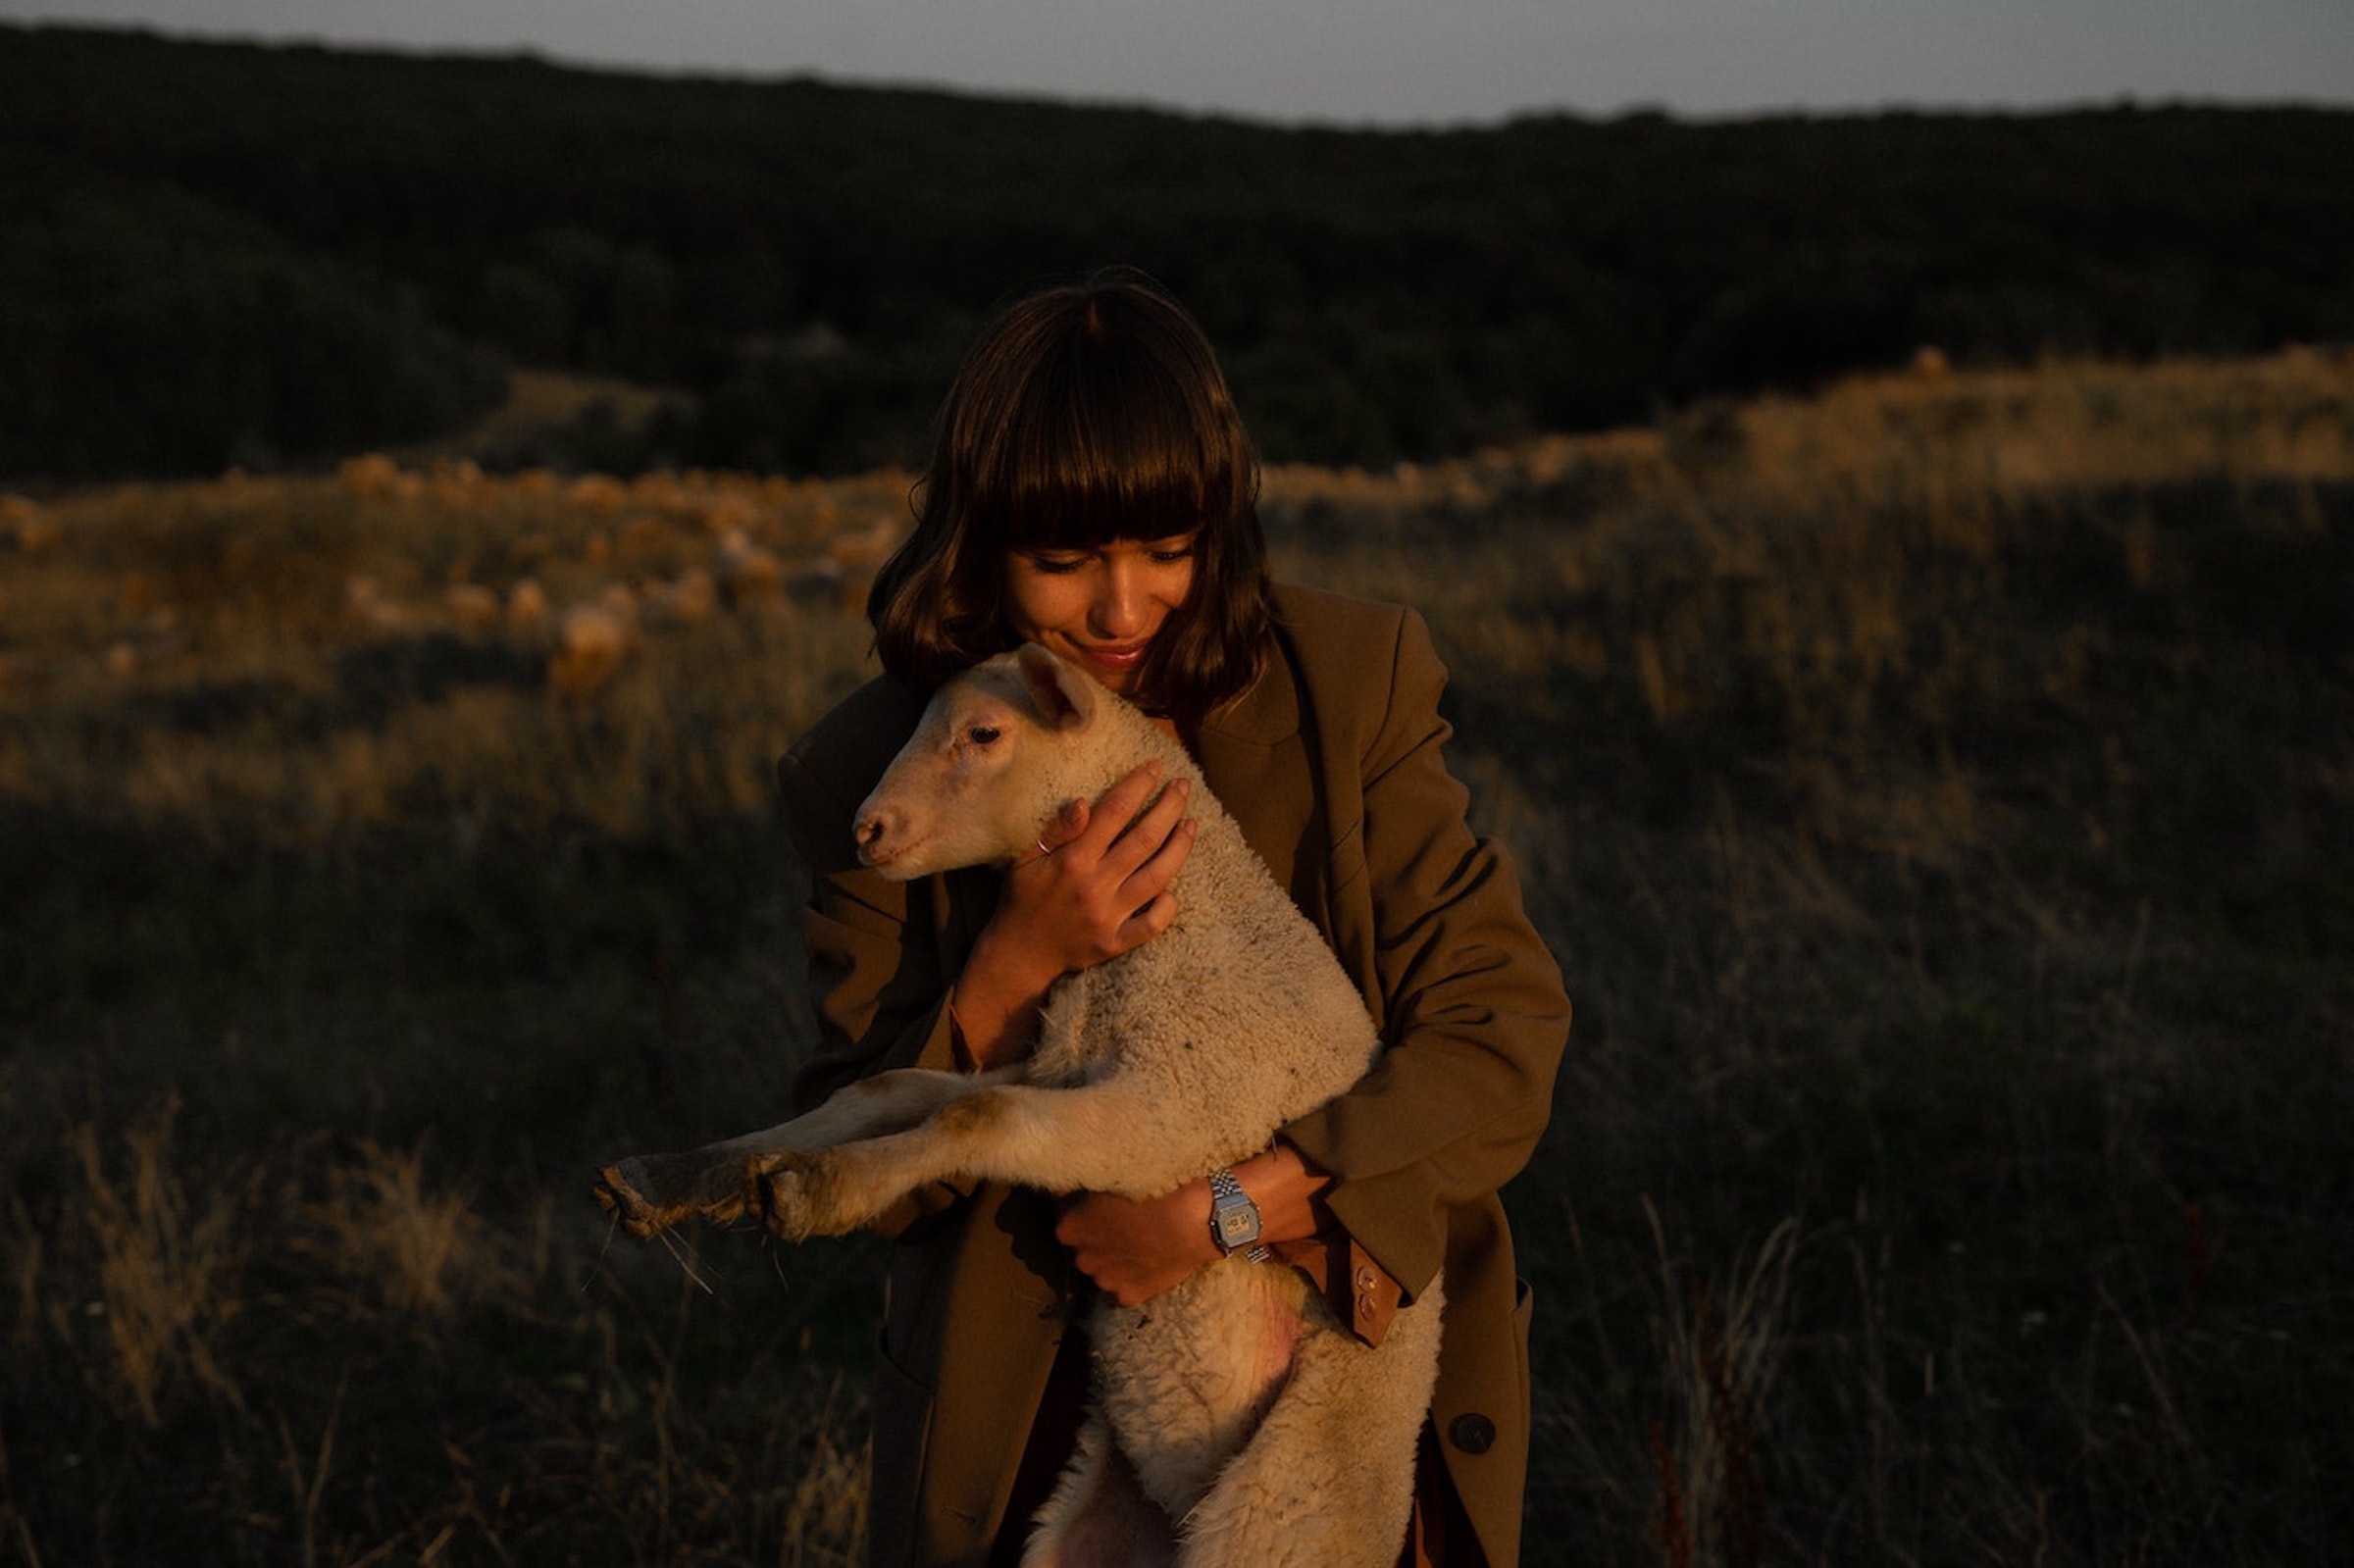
[(1381, 61)]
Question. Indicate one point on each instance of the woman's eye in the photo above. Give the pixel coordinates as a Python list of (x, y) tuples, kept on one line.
[(982, 735), (1052, 566), (1172, 557)]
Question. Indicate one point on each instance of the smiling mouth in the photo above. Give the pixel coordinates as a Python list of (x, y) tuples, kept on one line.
[(1121, 657)]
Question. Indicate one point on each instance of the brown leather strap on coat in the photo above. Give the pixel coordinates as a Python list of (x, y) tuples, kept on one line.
[(1361, 1292)]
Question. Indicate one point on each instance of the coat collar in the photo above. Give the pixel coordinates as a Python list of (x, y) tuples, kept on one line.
[(1242, 746), (1266, 714), (1253, 754)]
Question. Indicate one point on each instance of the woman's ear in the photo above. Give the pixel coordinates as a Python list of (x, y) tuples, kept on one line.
[(1064, 698)]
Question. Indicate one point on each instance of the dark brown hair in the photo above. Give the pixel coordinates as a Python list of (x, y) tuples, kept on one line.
[(1085, 412)]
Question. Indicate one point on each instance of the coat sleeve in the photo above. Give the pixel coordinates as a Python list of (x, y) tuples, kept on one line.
[(1474, 1014)]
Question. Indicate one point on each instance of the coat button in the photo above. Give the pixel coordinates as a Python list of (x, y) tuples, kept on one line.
[(1364, 1277), (1473, 1434)]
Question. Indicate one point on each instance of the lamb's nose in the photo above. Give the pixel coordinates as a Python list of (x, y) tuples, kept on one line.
[(867, 834)]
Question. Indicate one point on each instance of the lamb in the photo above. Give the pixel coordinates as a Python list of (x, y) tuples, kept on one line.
[(1259, 1428)]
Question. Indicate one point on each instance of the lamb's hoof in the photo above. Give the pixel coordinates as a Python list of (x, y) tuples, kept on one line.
[(785, 1191), (619, 1193)]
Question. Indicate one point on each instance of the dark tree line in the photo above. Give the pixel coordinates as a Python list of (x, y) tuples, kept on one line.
[(233, 253)]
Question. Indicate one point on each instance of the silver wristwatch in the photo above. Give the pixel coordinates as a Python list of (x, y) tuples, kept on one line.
[(1234, 1219)]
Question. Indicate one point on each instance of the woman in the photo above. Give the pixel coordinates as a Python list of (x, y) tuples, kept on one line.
[(1092, 488)]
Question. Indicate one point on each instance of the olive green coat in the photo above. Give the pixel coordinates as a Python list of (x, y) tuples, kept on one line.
[(1332, 764)]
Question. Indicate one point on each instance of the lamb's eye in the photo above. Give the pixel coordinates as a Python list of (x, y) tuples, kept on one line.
[(982, 735)]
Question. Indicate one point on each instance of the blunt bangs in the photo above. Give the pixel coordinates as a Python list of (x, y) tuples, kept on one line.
[(1102, 444)]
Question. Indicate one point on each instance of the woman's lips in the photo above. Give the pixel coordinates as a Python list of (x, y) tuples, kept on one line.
[(1118, 656)]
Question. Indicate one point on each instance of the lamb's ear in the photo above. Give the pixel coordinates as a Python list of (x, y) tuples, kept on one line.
[(1064, 698)]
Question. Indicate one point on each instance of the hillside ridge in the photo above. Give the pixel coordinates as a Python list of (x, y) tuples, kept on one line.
[(270, 255)]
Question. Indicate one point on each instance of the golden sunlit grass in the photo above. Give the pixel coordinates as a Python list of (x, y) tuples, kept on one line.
[(1938, 790), (305, 660), (426, 1252), (169, 1267)]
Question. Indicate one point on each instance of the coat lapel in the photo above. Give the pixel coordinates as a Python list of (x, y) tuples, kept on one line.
[(1257, 763)]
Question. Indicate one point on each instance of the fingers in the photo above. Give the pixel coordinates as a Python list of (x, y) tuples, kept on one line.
[(1064, 828), (1138, 840), (1166, 840), (1116, 817), (1142, 836), (1122, 818), (1152, 881), (1099, 883), (1148, 922), (1141, 862), (1135, 1249)]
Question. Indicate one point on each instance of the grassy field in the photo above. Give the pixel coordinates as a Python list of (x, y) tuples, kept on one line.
[(1940, 792)]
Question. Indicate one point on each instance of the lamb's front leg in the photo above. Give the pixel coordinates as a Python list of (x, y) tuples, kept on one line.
[(650, 1192), (1107, 1136)]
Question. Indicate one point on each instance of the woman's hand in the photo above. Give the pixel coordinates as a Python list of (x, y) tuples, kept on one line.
[(1135, 1248), (1099, 887)]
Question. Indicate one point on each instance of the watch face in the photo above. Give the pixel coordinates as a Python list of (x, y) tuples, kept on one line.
[(1233, 1218)]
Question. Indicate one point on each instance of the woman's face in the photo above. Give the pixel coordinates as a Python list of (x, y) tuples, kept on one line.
[(1099, 608)]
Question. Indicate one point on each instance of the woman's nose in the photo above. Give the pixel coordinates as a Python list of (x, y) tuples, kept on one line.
[(1118, 610)]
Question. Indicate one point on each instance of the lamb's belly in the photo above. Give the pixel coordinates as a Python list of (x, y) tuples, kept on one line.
[(1185, 1378)]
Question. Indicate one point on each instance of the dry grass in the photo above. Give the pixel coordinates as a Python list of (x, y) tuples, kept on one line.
[(1938, 792), (302, 662), (1719, 1345), (170, 1266), (426, 1253)]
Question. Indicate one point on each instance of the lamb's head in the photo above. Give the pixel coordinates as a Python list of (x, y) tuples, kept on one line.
[(1001, 750)]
